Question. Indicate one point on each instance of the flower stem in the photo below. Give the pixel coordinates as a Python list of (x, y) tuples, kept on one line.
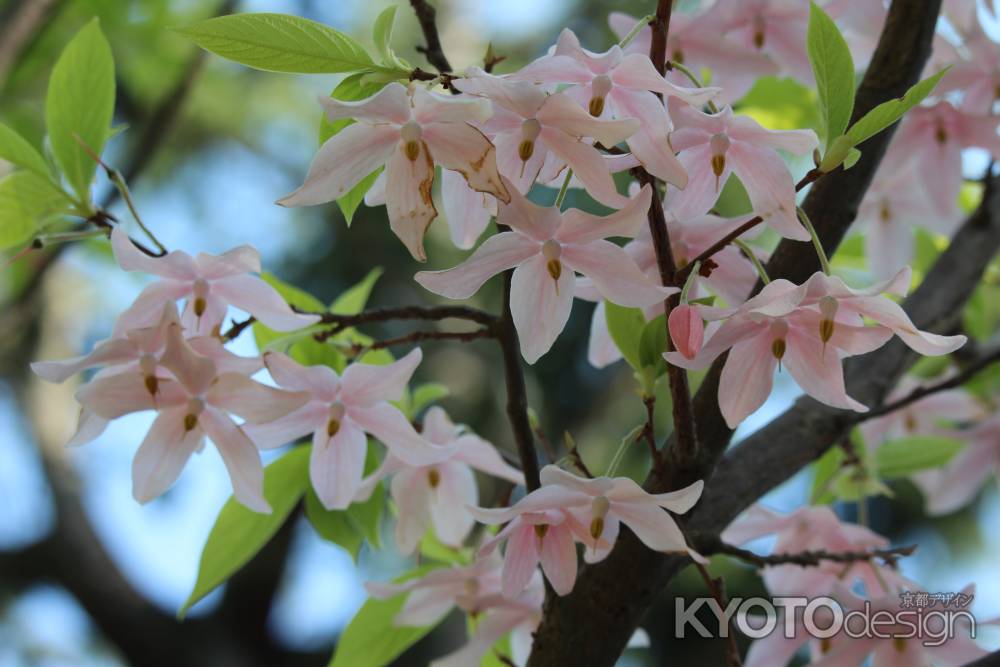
[(689, 282), (807, 223), (686, 71), (748, 251), (565, 187), (642, 23)]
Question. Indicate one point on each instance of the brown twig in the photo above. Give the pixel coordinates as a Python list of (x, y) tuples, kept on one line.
[(418, 336), (237, 328), (969, 372), (435, 313), (717, 588), (434, 52), (682, 275), (809, 558), (649, 432)]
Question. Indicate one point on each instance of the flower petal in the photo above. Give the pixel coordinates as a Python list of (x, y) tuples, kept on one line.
[(391, 104), (466, 211), (461, 147), (408, 198), (769, 186), (255, 296), (455, 491), (311, 417), (747, 378), (108, 352), (520, 560), (412, 493), (343, 161), (561, 113), (580, 227), (558, 558), (588, 166), (176, 265), (819, 372), (252, 401), (240, 456), (431, 108), (483, 456), (367, 384), (390, 426), (540, 306), (322, 381), (521, 97), (497, 254), (162, 455), (615, 274), (337, 464)]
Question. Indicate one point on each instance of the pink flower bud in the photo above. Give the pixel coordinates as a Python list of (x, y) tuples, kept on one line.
[(687, 331)]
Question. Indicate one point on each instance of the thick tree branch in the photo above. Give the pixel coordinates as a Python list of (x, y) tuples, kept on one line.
[(809, 558), (991, 660)]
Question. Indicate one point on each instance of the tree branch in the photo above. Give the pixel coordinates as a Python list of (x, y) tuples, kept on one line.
[(434, 52), (967, 373), (807, 558)]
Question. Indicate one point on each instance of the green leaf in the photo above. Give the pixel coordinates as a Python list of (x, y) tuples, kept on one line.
[(426, 394), (382, 35), (349, 203), (15, 149), (853, 155), (80, 104), (899, 458), (652, 345), (825, 470), (366, 517), (353, 301), (26, 201), (833, 67), (280, 43), (239, 533), (889, 112), (372, 639), (625, 326), (333, 526)]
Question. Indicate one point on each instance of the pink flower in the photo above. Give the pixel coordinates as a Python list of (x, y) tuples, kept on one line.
[(975, 71), (956, 484), (713, 146), (614, 85), (928, 416), (771, 328), (895, 204), (193, 400), (853, 305), (811, 529), (544, 524), (338, 413), (776, 28), (687, 330), (697, 43), (547, 246), (931, 139), (537, 134), (472, 588), (409, 131), (732, 279), (438, 494), (209, 284)]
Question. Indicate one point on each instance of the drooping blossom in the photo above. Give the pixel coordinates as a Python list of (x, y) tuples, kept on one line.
[(537, 134), (773, 328), (438, 494), (542, 527), (977, 76), (955, 485), (811, 528), (615, 85), (776, 28), (687, 330), (713, 146), (547, 247), (894, 205), (936, 414), (931, 139), (409, 131), (903, 643), (693, 42), (338, 412), (208, 283), (807, 329), (732, 278), (193, 400), (475, 589)]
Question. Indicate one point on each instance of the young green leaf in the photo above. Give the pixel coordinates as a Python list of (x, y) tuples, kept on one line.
[(625, 326), (833, 67), (889, 112), (280, 43), (15, 149), (27, 200), (333, 525), (426, 394), (652, 345), (372, 639), (80, 104), (239, 533), (354, 299), (906, 456), (382, 35)]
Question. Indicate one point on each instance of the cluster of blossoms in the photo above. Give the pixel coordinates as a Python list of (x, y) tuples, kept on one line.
[(882, 590), (573, 118)]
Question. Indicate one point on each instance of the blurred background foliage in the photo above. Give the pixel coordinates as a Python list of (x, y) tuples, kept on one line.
[(207, 147)]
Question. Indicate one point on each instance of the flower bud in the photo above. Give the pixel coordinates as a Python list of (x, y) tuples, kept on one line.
[(687, 330)]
